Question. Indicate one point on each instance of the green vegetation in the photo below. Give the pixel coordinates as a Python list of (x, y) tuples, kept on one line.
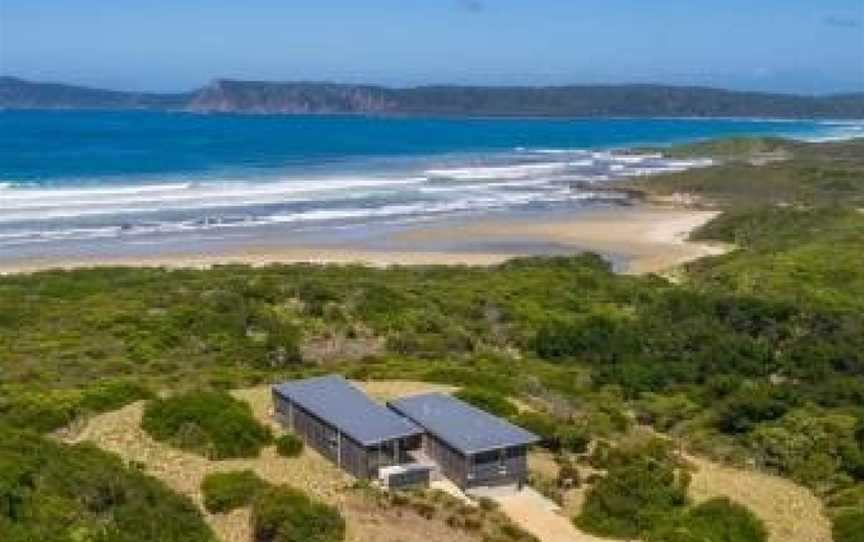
[(488, 400), (440, 100), (57, 493), (642, 487), (289, 445), (849, 526), (284, 514), (716, 520), (47, 410), (816, 447), (732, 148), (643, 494), (798, 226), (210, 423), (225, 491), (485, 521), (808, 256), (795, 174), (279, 513), (755, 356)]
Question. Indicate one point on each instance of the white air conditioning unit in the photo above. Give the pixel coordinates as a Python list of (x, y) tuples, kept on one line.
[(398, 476)]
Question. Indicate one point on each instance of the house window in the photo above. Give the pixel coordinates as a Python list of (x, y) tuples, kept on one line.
[(332, 440), (489, 458)]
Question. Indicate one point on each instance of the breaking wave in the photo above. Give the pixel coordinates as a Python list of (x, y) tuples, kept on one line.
[(113, 209)]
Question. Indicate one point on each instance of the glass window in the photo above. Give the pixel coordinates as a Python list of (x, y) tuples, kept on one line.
[(483, 458)]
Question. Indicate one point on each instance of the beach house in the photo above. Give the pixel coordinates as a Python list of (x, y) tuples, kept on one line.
[(404, 441), (344, 425), (470, 446)]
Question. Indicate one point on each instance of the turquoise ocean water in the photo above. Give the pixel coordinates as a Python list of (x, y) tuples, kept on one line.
[(70, 180)]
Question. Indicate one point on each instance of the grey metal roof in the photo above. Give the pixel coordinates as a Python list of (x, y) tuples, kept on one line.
[(462, 426), (336, 401)]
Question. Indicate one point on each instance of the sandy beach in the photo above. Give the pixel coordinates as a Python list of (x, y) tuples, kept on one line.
[(640, 239), (647, 238)]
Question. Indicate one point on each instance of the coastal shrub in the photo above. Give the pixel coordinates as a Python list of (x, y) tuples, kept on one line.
[(574, 438), (541, 424), (744, 411), (111, 395), (589, 338), (289, 445), (48, 410), (39, 411), (286, 514), (607, 456), (813, 446), (848, 526), (211, 423), (666, 411), (489, 401), (568, 475), (57, 492), (225, 491), (641, 488), (715, 520)]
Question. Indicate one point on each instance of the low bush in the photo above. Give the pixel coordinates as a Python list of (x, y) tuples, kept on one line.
[(225, 491), (716, 520), (849, 526), (210, 423), (744, 411), (642, 488), (488, 400), (41, 412), (574, 438), (54, 492), (289, 445), (47, 410), (543, 425), (664, 412), (568, 475), (815, 447), (285, 514), (630, 501), (111, 395)]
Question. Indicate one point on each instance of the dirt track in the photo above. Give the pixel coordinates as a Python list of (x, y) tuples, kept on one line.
[(539, 516)]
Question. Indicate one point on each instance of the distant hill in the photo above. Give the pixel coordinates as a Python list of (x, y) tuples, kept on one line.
[(20, 94), (331, 98)]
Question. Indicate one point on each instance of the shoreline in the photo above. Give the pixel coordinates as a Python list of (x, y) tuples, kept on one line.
[(640, 239)]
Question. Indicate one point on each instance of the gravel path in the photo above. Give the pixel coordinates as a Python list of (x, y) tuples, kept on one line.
[(540, 517)]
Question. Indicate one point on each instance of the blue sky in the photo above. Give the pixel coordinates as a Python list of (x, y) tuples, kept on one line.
[(810, 46)]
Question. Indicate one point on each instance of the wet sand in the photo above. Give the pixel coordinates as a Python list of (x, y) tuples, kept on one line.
[(639, 239), (647, 238)]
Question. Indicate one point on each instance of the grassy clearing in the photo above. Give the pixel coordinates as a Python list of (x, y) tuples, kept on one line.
[(790, 512), (120, 432)]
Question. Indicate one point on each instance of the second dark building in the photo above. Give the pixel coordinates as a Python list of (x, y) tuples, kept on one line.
[(470, 446)]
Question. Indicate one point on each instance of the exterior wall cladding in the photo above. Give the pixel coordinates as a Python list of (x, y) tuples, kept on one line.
[(348, 454), (324, 438), (502, 466)]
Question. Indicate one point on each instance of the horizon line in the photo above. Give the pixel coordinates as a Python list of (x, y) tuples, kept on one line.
[(215, 80)]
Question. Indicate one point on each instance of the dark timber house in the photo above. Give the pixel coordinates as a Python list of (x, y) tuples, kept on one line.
[(470, 446), (344, 425)]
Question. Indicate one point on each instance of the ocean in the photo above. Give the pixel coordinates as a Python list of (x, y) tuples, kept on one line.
[(75, 182)]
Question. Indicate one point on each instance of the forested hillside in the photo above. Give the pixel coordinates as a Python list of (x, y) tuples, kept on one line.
[(756, 356), (232, 96)]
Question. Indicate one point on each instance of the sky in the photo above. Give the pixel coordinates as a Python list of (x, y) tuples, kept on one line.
[(800, 46)]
